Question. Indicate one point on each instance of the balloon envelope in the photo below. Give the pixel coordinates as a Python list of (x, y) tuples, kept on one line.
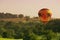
[(44, 14)]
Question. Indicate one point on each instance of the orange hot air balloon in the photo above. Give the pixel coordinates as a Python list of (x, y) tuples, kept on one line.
[(45, 15)]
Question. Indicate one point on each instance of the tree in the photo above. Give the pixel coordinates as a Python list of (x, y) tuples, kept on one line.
[(4, 35), (20, 15), (27, 18), (2, 15)]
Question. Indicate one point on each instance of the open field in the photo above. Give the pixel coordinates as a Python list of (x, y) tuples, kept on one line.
[(12, 19)]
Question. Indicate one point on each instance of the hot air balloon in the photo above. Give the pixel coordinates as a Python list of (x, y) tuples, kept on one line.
[(45, 15)]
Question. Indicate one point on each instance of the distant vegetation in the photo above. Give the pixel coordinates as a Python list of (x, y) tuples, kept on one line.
[(10, 15), (29, 30), (15, 17)]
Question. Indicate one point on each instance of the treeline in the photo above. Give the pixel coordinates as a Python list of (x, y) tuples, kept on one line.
[(31, 30), (10, 15), (7, 15)]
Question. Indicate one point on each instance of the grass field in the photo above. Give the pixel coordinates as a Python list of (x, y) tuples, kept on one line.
[(12, 19), (9, 39)]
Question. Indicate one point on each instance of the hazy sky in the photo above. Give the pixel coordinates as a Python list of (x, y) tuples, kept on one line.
[(30, 7)]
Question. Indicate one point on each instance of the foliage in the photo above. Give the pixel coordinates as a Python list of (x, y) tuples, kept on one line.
[(21, 16), (30, 30)]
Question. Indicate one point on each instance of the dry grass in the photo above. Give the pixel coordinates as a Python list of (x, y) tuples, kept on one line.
[(13, 19)]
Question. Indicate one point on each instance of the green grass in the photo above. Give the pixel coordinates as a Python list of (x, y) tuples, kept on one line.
[(9, 39)]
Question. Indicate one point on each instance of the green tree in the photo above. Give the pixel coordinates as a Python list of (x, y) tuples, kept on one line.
[(27, 18), (20, 15)]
